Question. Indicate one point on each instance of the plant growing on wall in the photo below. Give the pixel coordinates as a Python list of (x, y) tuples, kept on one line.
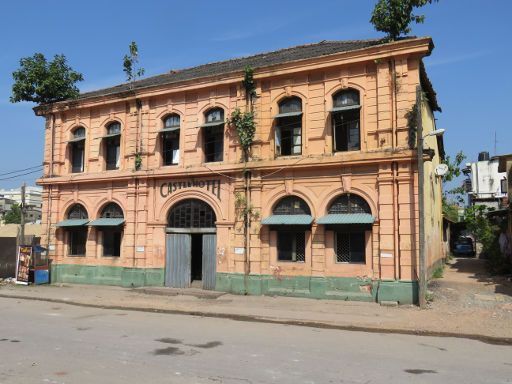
[(138, 161), (249, 85), (130, 64), (245, 128), (244, 209), (43, 82), (393, 17), (412, 125)]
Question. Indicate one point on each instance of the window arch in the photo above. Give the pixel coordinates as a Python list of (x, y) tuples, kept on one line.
[(77, 150), (213, 135), (346, 116), (113, 145), (77, 233), (289, 127), (77, 211), (171, 139), (291, 219), (112, 211), (291, 205), (191, 213), (172, 121), (349, 203)]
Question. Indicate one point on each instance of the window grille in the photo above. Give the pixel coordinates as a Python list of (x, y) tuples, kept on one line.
[(77, 211), (77, 241), (192, 213), (112, 211), (349, 203), (350, 247), (291, 205), (291, 246)]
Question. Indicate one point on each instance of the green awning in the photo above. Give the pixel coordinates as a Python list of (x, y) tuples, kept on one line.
[(170, 129), (72, 223), (288, 220), (106, 222), (212, 124), (347, 218), (76, 139), (345, 108), (288, 114)]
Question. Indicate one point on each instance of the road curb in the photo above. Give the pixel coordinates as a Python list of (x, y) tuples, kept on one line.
[(270, 320)]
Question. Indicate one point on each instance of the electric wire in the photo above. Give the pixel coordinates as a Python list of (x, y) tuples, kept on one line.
[(20, 170), (23, 174)]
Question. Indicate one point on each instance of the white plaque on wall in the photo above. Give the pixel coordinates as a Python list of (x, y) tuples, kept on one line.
[(139, 248), (239, 250), (386, 255)]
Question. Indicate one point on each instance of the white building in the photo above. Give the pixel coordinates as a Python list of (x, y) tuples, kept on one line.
[(488, 186), (33, 196)]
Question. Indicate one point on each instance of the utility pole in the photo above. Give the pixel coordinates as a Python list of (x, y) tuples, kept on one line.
[(22, 214), (422, 284)]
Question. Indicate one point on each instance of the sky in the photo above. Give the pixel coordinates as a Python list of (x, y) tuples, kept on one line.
[(470, 66)]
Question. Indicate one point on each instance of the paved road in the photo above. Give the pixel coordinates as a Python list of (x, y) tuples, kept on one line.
[(53, 343)]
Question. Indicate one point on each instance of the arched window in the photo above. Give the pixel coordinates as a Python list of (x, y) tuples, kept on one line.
[(112, 211), (77, 234), (77, 148), (171, 140), (291, 218), (213, 135), (191, 213), (113, 145), (291, 205), (349, 216), (346, 120), (110, 225), (349, 203), (77, 212), (288, 128)]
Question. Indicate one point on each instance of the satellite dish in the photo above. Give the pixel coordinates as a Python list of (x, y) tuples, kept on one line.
[(441, 170)]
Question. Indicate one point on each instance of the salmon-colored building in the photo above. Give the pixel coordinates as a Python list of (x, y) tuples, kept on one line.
[(145, 183)]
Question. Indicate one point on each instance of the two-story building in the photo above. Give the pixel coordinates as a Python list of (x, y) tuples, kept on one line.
[(145, 183)]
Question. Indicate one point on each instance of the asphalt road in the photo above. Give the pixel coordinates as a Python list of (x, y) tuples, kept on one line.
[(55, 343)]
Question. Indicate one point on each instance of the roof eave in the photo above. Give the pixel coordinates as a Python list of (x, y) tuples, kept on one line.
[(137, 92)]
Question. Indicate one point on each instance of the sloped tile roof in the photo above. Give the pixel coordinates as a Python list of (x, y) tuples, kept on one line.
[(301, 52)]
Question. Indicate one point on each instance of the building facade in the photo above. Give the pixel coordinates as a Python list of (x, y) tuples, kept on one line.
[(488, 185), (145, 183)]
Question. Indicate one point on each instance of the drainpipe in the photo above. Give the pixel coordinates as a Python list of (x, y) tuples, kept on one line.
[(396, 238), (422, 288), (50, 189)]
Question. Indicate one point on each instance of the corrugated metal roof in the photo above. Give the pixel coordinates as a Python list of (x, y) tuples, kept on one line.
[(106, 222), (72, 223), (287, 220), (347, 218), (288, 114)]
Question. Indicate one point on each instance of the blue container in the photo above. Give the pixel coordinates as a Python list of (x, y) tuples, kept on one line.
[(41, 276)]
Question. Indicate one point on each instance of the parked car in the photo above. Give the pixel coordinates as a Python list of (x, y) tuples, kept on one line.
[(464, 247)]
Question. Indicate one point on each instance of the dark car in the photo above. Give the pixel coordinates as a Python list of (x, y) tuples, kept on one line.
[(464, 247)]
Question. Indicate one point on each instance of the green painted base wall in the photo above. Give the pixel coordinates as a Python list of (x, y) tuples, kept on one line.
[(103, 275), (335, 288)]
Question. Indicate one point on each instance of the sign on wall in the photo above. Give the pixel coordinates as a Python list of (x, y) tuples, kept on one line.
[(212, 186), (23, 264)]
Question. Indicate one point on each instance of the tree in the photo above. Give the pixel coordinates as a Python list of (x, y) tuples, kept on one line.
[(129, 63), (43, 82), (394, 16), (14, 215)]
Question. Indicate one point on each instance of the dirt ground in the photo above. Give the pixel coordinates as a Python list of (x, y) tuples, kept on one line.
[(471, 295)]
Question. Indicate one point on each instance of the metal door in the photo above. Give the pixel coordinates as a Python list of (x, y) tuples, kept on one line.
[(178, 259), (209, 260)]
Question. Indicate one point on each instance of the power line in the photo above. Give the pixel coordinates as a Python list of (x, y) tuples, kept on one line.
[(23, 174), (20, 170)]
